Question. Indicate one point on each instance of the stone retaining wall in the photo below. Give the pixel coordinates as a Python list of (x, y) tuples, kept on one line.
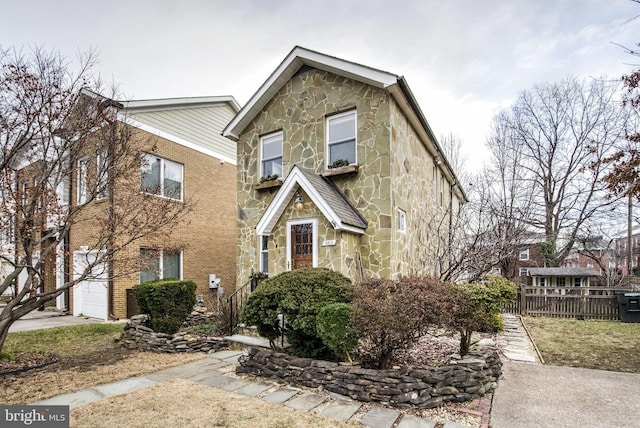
[(465, 378), (136, 335)]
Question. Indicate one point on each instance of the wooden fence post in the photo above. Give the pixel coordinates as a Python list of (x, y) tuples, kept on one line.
[(523, 300)]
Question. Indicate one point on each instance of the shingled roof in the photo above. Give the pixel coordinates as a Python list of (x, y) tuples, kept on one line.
[(333, 204), (563, 271)]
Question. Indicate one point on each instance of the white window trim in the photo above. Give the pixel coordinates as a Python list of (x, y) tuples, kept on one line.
[(262, 159), (161, 195), (434, 182), (525, 270), (261, 250), (355, 133), (402, 226), (81, 193), (314, 222), (441, 190), (523, 252)]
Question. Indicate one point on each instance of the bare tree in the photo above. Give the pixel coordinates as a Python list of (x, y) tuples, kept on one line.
[(49, 123), (543, 147)]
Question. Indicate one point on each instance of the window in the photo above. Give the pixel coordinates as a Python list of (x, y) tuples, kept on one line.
[(524, 272), (402, 221), (162, 177), (561, 281), (434, 182), (264, 253), (496, 271), (542, 281), (101, 175), (271, 150), (159, 264), (82, 181), (441, 190), (577, 282), (524, 254), (341, 137)]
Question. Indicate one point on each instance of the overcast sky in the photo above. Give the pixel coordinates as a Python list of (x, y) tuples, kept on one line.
[(463, 59)]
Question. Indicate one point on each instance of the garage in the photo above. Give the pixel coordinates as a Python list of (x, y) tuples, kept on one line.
[(89, 295)]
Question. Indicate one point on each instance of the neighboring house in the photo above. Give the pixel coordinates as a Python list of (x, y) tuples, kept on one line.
[(189, 160), (338, 168), (562, 277), (528, 256), (628, 266)]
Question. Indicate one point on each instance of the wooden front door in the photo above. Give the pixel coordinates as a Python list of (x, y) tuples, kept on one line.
[(302, 245)]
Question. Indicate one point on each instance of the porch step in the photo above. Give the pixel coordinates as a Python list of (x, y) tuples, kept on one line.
[(248, 340), (248, 330)]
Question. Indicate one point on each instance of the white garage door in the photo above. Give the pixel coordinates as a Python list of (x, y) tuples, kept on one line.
[(90, 295)]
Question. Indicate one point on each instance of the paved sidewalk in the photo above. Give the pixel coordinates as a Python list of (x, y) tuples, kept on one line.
[(36, 320), (210, 372)]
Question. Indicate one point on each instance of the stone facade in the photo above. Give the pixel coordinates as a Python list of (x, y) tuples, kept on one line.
[(394, 170), (472, 376)]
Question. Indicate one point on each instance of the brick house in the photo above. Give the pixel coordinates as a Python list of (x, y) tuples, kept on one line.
[(187, 159), (338, 168)]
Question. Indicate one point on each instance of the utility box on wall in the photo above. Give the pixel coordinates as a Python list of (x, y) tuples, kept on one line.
[(214, 282)]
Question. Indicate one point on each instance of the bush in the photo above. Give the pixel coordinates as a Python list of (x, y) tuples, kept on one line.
[(479, 306), (389, 314), (333, 324), (298, 295), (168, 302)]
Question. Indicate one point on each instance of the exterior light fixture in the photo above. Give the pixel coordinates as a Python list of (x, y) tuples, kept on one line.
[(298, 201)]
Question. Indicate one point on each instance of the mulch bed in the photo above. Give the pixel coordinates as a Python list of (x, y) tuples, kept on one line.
[(25, 361)]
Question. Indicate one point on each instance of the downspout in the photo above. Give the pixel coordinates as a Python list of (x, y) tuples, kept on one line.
[(110, 195)]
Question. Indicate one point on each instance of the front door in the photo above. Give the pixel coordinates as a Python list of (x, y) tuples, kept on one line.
[(302, 245)]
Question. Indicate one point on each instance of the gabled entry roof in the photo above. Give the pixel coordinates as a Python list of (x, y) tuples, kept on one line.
[(333, 204)]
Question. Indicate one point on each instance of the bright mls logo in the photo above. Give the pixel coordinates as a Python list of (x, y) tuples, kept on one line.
[(34, 416)]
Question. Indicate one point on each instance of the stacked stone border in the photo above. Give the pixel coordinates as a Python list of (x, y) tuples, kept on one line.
[(137, 335), (464, 379)]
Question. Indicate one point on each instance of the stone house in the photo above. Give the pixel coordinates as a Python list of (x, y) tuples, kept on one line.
[(188, 159), (338, 168)]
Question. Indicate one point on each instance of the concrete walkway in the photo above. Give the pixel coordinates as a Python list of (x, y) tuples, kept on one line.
[(36, 320), (533, 395), (210, 372)]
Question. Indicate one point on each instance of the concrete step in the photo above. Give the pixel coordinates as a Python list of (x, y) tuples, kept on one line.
[(244, 340)]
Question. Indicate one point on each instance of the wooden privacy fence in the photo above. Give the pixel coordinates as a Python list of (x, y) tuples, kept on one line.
[(568, 302)]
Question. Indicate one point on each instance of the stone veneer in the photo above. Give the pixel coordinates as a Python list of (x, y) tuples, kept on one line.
[(395, 171), (465, 378), (299, 111), (137, 335)]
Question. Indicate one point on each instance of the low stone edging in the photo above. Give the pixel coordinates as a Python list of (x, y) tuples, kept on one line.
[(136, 335), (465, 378)]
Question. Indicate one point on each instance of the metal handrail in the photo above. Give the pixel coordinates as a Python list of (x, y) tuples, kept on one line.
[(236, 300)]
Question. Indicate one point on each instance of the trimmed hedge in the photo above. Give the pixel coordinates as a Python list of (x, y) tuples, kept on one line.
[(298, 295), (168, 302)]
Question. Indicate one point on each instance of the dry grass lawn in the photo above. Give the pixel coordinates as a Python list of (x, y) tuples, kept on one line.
[(603, 345), (37, 385), (169, 404)]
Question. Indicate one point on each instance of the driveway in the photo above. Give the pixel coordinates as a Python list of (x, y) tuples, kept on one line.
[(540, 396), (37, 320)]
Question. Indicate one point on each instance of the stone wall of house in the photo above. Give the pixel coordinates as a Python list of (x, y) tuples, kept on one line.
[(137, 335), (422, 249), (474, 375), (299, 110)]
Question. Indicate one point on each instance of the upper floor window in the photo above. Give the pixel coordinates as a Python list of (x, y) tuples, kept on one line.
[(341, 137), (271, 152), (101, 175), (402, 220), (524, 272), (441, 190), (162, 177), (524, 254), (82, 181)]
